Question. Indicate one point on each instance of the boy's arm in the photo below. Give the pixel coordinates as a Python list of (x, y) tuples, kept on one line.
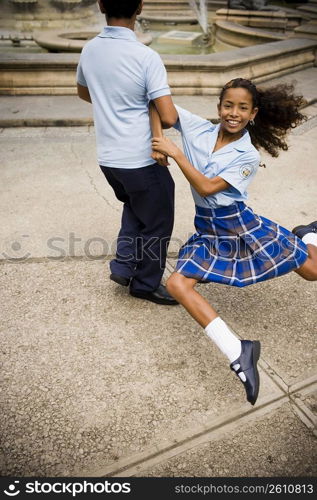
[(83, 93), (155, 121), (166, 110), (157, 88), (157, 131), (203, 185)]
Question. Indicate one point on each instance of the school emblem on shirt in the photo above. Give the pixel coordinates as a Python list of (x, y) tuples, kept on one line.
[(246, 171)]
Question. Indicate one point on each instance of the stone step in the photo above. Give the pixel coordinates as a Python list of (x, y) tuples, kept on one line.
[(266, 19), (53, 74), (179, 5), (175, 5), (217, 4), (169, 17), (163, 12), (307, 30), (310, 9), (295, 14), (165, 2)]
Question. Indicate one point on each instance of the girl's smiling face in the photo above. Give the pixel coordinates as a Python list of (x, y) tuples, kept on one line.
[(236, 110)]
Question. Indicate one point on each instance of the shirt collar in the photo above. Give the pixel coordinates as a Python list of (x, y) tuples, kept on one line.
[(118, 32), (242, 144)]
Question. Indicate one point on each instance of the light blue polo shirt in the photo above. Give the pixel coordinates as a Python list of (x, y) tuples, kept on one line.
[(236, 163), (122, 75)]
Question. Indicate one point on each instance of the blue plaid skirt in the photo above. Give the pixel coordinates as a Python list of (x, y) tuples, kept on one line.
[(234, 246)]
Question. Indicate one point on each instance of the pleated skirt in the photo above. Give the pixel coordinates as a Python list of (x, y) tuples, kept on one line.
[(234, 246)]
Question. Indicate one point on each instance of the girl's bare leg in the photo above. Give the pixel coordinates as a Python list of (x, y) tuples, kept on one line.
[(241, 357), (182, 289), (308, 270)]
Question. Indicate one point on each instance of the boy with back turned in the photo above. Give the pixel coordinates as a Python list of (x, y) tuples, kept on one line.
[(119, 76)]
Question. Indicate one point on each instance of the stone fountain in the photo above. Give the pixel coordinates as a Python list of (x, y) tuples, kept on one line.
[(200, 12), (28, 15), (204, 74), (74, 41), (66, 25), (56, 25)]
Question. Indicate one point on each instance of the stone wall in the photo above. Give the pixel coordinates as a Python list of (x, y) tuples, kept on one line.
[(55, 74), (29, 15)]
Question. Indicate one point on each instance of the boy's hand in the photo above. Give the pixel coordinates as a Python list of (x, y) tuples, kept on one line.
[(164, 146), (160, 158)]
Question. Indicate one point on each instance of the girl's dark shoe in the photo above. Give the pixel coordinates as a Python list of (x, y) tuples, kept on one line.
[(300, 231), (250, 353)]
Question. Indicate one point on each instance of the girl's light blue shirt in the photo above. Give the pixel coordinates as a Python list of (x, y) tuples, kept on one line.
[(236, 163)]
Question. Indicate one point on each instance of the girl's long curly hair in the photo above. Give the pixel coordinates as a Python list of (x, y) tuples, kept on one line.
[(279, 111)]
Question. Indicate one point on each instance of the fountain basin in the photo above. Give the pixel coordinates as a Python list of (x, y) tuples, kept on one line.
[(167, 18), (241, 28), (55, 74), (270, 19), (181, 37), (238, 35), (67, 41)]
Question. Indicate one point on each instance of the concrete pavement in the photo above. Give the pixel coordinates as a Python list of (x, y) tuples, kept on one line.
[(98, 383)]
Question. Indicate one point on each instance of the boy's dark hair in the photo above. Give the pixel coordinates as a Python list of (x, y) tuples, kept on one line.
[(120, 9), (279, 111)]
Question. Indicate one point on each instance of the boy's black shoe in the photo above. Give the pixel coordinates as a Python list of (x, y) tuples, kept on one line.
[(121, 280), (300, 231), (159, 296), (250, 353)]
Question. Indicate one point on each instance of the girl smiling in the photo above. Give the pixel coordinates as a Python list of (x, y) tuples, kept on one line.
[(232, 245)]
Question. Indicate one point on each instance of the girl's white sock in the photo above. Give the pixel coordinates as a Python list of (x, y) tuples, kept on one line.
[(226, 341), (310, 238)]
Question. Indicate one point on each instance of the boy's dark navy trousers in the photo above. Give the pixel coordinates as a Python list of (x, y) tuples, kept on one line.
[(147, 195)]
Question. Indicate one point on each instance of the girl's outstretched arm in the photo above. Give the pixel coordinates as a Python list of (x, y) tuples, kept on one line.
[(202, 184)]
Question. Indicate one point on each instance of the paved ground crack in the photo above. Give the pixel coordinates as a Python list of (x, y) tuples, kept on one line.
[(133, 464), (92, 182), (297, 406), (91, 179), (78, 158)]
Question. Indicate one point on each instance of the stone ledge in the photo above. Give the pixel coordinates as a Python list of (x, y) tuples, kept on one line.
[(251, 13), (309, 9), (288, 18), (243, 36), (55, 74), (308, 30), (73, 41), (168, 17), (267, 14)]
